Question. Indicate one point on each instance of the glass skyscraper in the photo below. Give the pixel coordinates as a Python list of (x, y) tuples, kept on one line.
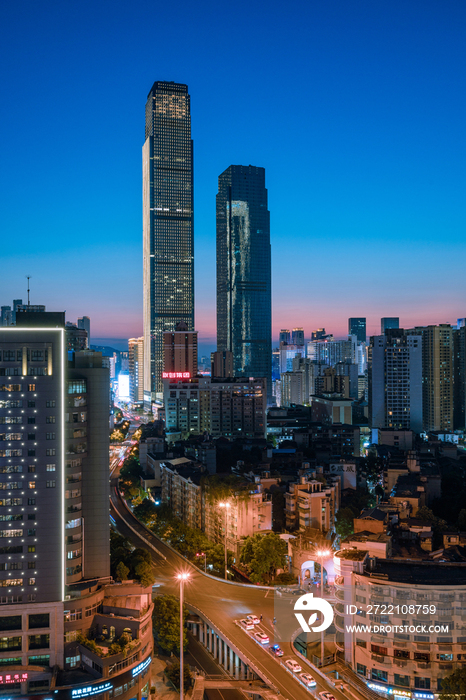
[(167, 224), (357, 327), (244, 303)]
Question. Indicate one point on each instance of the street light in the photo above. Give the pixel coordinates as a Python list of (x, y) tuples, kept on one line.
[(203, 554), (322, 554), (182, 578), (225, 505)]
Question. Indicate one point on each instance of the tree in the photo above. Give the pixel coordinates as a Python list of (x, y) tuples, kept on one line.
[(344, 522), (122, 572), (173, 674), (454, 686), (438, 525), (146, 512), (216, 558), (141, 564), (166, 623), (263, 555)]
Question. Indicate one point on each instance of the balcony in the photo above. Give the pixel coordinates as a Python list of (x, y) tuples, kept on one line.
[(380, 659), (401, 663)]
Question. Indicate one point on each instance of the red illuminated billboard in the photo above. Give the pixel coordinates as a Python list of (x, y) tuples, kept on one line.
[(176, 375)]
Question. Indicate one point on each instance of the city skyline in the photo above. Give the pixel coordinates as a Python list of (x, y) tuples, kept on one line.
[(375, 151)]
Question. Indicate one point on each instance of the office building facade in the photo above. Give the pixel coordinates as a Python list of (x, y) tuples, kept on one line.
[(357, 327), (180, 351), (136, 370), (244, 306), (168, 225), (388, 323)]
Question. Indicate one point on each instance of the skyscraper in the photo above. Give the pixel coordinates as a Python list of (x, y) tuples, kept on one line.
[(85, 323), (180, 350), (244, 305), (395, 381), (357, 327), (297, 336), (167, 225), (136, 369), (389, 322), (285, 336)]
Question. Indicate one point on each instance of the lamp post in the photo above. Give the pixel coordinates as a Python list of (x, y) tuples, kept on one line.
[(182, 578), (203, 554), (322, 554), (225, 505)]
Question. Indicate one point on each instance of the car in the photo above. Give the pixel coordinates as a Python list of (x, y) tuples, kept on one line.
[(327, 696), (307, 680), (247, 624), (298, 592), (261, 638), (293, 666), (276, 650), (254, 619)]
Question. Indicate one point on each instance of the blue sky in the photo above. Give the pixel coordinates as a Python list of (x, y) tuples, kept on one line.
[(356, 110)]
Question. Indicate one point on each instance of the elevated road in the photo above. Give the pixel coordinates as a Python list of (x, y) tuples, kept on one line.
[(223, 603)]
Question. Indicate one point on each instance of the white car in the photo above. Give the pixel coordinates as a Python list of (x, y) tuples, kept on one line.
[(327, 696), (254, 619), (247, 624), (293, 666), (261, 638), (307, 680)]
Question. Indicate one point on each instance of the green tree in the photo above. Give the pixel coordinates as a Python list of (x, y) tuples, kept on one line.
[(141, 565), (146, 512), (216, 558), (344, 522), (263, 555), (454, 686), (166, 623), (173, 674), (122, 572)]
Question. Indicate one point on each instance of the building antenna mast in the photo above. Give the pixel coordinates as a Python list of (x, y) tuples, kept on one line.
[(28, 278)]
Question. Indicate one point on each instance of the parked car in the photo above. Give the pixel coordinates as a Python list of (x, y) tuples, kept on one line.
[(308, 680), (247, 624), (261, 638), (254, 619), (276, 650), (293, 666), (327, 696)]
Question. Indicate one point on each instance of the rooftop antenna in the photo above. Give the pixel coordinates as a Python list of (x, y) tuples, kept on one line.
[(28, 278)]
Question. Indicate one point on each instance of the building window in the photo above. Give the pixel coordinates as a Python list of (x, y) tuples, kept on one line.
[(31, 453), (378, 675), (12, 622), (361, 643), (32, 484), (42, 660), (50, 436), (50, 467), (31, 548), (31, 468), (401, 680), (39, 641), (361, 669), (50, 452), (50, 404), (51, 484), (422, 683), (31, 420), (50, 419), (31, 387), (39, 620), (10, 643), (31, 502), (400, 654), (32, 532)]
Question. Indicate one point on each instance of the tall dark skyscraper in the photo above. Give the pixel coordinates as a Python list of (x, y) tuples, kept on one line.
[(389, 322), (167, 224), (357, 327), (244, 302)]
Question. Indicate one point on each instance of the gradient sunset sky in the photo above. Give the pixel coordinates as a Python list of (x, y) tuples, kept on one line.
[(357, 111)]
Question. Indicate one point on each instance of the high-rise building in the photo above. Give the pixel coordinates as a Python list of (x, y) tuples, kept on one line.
[(180, 350), (357, 327), (395, 381), (461, 323), (54, 555), (459, 364), (222, 364), (388, 323), (285, 336), (437, 375), (136, 370), (244, 304), (168, 225), (318, 334), (7, 316), (85, 323), (76, 338), (297, 336)]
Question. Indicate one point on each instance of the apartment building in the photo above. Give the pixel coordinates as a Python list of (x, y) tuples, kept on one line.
[(310, 503)]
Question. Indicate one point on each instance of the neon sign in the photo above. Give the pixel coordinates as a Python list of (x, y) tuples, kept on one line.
[(395, 691), (176, 375), (13, 678), (141, 667), (89, 690)]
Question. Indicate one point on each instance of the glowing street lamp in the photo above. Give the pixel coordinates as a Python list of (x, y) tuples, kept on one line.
[(226, 505), (182, 578), (322, 554)]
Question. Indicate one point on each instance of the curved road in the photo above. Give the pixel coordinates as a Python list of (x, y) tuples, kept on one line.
[(223, 603)]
